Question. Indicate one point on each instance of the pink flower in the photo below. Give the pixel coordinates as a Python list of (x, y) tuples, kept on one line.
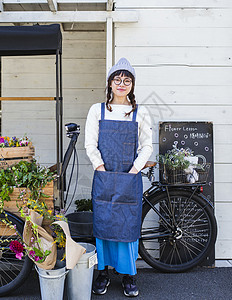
[(1, 140), (37, 258), (32, 253), (17, 248), (19, 255)]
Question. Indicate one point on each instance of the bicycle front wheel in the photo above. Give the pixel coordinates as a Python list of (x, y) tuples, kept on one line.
[(178, 231), (13, 272)]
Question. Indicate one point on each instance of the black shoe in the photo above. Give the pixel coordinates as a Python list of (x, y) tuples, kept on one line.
[(129, 286), (115, 272), (101, 283)]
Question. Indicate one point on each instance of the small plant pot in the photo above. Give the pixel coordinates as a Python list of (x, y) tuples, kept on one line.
[(80, 224)]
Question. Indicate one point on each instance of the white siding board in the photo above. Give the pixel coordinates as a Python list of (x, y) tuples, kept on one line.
[(222, 134), (223, 215), (149, 4), (223, 153), (180, 75), (194, 37), (182, 18), (45, 81), (223, 249), (24, 126), (187, 56), (184, 94), (222, 173), (223, 192), (44, 66), (84, 36), (84, 49), (224, 232), (218, 114)]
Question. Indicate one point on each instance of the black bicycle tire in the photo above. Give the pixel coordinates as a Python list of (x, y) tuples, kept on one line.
[(24, 272), (196, 261)]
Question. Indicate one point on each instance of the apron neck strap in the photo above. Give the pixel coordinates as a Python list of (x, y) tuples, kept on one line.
[(135, 113), (103, 112)]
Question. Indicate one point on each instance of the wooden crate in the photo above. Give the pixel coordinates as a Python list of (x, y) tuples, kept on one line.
[(12, 207), (12, 155)]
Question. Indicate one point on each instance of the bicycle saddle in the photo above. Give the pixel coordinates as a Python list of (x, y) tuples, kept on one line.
[(149, 164)]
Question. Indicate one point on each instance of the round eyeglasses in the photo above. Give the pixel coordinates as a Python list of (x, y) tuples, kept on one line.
[(126, 81)]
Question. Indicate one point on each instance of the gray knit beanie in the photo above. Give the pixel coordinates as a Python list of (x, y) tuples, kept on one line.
[(122, 64)]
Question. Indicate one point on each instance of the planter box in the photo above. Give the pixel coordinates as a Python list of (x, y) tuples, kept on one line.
[(12, 155), (11, 205)]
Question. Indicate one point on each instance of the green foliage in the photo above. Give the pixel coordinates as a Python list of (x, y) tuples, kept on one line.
[(84, 205), (25, 174), (175, 158)]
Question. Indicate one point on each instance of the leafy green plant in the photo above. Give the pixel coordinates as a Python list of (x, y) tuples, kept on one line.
[(175, 158), (84, 205), (29, 175)]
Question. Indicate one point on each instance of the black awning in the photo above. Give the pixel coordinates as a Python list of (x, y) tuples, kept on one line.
[(30, 40)]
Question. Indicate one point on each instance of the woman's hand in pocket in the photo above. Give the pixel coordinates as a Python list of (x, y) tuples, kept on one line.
[(101, 168), (133, 170)]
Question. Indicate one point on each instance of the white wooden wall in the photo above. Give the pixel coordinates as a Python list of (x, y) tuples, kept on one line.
[(83, 84), (182, 53)]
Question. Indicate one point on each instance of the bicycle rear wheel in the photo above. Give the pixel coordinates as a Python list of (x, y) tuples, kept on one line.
[(179, 234), (13, 272)]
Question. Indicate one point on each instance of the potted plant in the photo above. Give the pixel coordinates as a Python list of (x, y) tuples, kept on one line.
[(81, 221)]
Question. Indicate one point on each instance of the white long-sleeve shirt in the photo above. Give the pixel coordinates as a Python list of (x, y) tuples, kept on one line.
[(145, 147)]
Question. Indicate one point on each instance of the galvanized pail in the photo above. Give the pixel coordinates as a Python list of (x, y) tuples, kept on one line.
[(52, 282), (79, 279)]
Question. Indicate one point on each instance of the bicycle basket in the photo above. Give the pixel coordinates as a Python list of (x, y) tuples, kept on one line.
[(181, 176)]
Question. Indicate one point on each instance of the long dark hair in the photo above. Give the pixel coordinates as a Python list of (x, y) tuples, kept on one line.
[(109, 94)]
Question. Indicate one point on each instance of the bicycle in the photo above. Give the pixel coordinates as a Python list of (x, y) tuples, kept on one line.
[(178, 227), (178, 224)]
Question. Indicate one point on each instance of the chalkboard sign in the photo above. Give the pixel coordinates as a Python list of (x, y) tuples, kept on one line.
[(198, 136)]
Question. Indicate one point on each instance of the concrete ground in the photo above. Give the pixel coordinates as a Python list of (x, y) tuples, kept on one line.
[(200, 283)]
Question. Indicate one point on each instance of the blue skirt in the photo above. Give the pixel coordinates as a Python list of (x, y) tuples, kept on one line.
[(119, 255)]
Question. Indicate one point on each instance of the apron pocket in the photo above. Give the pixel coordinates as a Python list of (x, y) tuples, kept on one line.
[(103, 185), (126, 188), (128, 153)]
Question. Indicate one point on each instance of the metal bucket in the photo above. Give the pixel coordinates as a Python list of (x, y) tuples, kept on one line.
[(79, 279), (52, 282)]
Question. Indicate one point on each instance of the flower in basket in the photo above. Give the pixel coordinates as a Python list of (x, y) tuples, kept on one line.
[(4, 141), (24, 141), (176, 158), (178, 165), (14, 141)]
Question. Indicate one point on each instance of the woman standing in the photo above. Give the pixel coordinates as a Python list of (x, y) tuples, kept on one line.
[(118, 142)]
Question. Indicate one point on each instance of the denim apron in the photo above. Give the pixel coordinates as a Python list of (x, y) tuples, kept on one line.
[(117, 194)]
